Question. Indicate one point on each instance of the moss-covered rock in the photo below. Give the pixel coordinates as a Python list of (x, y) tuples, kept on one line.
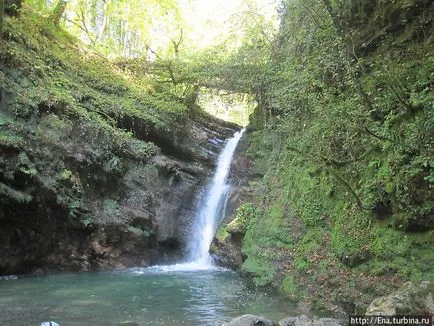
[(410, 299)]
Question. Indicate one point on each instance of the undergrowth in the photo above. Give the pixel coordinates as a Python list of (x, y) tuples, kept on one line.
[(344, 142)]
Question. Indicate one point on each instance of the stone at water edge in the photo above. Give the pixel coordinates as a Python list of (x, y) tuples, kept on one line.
[(250, 320), (410, 299), (49, 323), (294, 321), (305, 321), (326, 322)]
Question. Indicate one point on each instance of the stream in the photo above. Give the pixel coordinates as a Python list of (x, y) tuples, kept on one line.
[(151, 296)]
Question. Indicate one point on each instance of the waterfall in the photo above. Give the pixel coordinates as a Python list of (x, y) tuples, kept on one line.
[(210, 212), (212, 208)]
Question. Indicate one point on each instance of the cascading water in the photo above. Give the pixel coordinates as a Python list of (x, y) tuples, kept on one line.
[(208, 215), (212, 208)]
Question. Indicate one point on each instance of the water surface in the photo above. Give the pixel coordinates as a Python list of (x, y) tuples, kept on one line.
[(153, 296)]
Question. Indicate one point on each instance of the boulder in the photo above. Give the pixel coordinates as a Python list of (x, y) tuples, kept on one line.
[(294, 321), (250, 320), (326, 322), (305, 321), (410, 299)]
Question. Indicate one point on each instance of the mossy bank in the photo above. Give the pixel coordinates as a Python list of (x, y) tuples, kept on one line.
[(336, 195)]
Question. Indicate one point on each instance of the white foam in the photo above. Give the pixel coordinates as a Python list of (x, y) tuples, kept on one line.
[(182, 267), (211, 210)]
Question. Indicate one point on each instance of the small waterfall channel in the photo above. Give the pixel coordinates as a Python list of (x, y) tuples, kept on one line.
[(208, 215), (212, 208)]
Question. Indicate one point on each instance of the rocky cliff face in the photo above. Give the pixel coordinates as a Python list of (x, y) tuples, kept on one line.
[(95, 171), (66, 205)]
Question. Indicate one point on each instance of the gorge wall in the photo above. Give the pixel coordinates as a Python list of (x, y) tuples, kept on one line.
[(334, 174), (96, 171)]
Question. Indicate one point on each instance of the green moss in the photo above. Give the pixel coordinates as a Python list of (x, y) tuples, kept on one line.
[(9, 139), (261, 270), (396, 252), (49, 71), (14, 195), (221, 233), (289, 286), (388, 243), (351, 237), (309, 243)]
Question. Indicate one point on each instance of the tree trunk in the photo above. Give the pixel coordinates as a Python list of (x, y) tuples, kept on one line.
[(58, 11)]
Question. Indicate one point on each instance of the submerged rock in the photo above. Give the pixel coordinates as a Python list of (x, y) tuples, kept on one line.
[(410, 299), (250, 320)]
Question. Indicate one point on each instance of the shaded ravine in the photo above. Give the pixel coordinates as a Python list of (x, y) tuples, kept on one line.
[(192, 293)]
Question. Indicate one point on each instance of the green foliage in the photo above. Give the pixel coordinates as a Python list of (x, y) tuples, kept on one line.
[(246, 213), (141, 150), (8, 139), (112, 27), (255, 245), (289, 286), (110, 212), (343, 137), (262, 271), (139, 231), (350, 237), (66, 174), (14, 195)]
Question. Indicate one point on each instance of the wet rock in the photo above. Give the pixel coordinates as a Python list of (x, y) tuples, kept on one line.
[(236, 228), (49, 323), (410, 299), (227, 252), (306, 321), (326, 322), (244, 183), (294, 321), (250, 320)]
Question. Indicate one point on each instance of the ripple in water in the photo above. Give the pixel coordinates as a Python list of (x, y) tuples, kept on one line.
[(145, 296)]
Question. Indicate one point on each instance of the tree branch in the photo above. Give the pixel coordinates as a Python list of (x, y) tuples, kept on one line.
[(335, 174)]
